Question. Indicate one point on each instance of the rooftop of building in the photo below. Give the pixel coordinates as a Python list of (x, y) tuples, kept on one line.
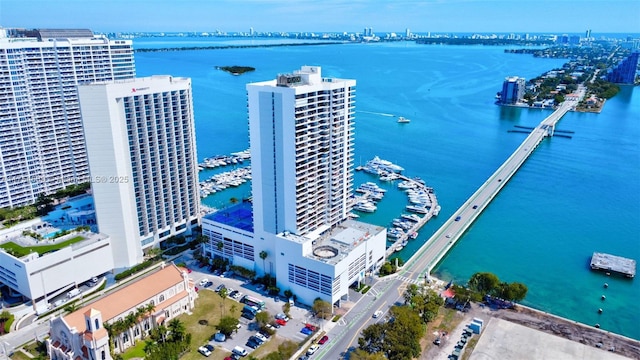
[(239, 216), (333, 245), (128, 297)]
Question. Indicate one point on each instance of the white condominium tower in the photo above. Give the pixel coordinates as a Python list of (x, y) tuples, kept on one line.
[(301, 133), (42, 147), (142, 152)]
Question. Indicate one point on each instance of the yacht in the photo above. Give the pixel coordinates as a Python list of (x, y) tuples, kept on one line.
[(403, 120), (417, 209)]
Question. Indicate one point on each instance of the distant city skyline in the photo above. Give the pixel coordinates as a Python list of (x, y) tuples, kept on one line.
[(535, 16)]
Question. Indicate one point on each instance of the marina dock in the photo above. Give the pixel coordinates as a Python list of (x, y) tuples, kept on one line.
[(617, 264)]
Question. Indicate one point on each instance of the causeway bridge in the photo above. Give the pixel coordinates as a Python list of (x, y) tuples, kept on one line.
[(434, 250)]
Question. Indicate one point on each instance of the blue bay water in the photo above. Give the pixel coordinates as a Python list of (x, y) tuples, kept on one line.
[(572, 197)]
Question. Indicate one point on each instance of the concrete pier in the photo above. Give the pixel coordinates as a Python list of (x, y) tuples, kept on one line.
[(617, 264)]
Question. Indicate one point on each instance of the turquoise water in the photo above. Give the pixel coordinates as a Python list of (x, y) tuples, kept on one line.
[(571, 198)]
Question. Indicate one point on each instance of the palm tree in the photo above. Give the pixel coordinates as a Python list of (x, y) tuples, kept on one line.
[(177, 329), (263, 256), (223, 295), (130, 322), (149, 309), (140, 313)]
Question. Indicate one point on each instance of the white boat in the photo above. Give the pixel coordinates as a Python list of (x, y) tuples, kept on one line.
[(403, 120), (370, 187), (417, 209), (385, 165), (411, 217), (365, 207)]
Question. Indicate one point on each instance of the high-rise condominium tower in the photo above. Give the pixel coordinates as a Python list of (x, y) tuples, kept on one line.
[(42, 147), (301, 134), (142, 152)]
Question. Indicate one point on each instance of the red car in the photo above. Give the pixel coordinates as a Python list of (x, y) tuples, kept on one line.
[(323, 340), (281, 322), (311, 327)]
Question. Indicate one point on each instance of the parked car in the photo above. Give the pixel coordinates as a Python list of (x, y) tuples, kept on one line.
[(282, 316), (237, 295), (311, 327), (377, 314), (306, 331), (281, 322), (252, 344), (323, 340), (257, 339), (208, 284), (239, 351), (233, 293), (210, 347), (458, 218), (204, 351), (313, 349), (260, 336), (216, 272), (203, 282), (247, 315), (220, 287)]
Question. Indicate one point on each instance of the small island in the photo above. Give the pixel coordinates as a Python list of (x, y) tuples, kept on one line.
[(236, 70)]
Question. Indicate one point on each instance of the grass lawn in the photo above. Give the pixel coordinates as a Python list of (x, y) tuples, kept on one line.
[(20, 251), (18, 355), (207, 308), (136, 351)]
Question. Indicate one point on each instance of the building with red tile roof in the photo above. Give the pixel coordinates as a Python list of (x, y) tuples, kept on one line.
[(148, 302)]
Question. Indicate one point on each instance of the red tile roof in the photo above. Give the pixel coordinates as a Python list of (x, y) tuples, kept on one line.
[(129, 297)]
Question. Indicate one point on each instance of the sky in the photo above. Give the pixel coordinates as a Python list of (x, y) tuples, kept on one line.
[(482, 16)]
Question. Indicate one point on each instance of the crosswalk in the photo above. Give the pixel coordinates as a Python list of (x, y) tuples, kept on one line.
[(410, 281)]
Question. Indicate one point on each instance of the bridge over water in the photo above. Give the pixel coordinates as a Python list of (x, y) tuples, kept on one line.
[(435, 249)]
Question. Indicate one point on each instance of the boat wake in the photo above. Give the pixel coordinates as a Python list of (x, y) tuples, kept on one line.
[(375, 113)]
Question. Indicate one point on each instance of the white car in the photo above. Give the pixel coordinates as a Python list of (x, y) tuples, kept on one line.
[(377, 314), (203, 281), (237, 295), (204, 351), (313, 349), (261, 337)]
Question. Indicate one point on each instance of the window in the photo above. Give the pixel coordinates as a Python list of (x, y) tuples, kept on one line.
[(161, 298), (97, 324)]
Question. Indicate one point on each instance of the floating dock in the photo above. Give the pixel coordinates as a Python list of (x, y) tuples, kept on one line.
[(618, 264)]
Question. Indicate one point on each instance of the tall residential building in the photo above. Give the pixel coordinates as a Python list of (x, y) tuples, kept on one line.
[(301, 129), (513, 89), (301, 135), (625, 72), (142, 153), (42, 146)]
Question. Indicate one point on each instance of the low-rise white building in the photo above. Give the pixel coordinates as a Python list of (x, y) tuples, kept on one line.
[(152, 300), (317, 265), (40, 277)]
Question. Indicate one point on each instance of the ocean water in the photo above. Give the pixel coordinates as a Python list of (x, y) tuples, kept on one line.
[(572, 197)]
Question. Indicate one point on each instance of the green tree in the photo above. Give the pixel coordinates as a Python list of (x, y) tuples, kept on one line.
[(360, 354), (323, 309), (373, 338), (227, 325), (263, 255), (263, 318), (403, 336), (516, 292), (177, 329), (223, 294), (483, 282)]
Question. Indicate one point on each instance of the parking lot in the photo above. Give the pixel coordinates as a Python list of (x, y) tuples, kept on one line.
[(299, 316)]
